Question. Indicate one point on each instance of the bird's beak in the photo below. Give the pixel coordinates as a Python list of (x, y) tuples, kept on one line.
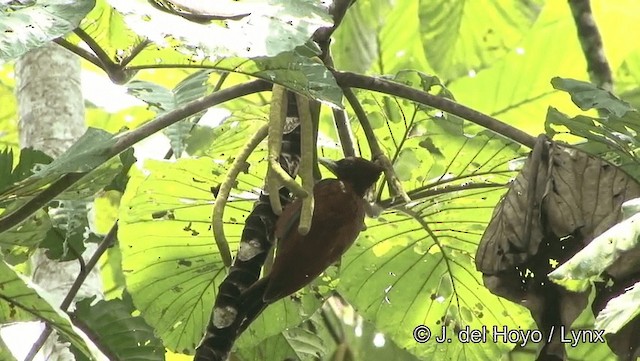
[(329, 164)]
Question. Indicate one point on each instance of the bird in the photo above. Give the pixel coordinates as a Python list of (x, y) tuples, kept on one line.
[(337, 220)]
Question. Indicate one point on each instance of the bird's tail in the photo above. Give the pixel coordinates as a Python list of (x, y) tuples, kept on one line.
[(252, 303)]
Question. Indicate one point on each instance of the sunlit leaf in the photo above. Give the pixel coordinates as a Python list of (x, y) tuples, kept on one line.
[(271, 28), (457, 40), (24, 26), (619, 310), (274, 47), (586, 266), (516, 88)]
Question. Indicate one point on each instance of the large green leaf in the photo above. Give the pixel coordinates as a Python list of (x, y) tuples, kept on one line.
[(516, 88), (380, 36), (271, 28), (260, 53), (459, 36), (21, 300), (28, 25), (168, 256), (126, 337), (414, 264)]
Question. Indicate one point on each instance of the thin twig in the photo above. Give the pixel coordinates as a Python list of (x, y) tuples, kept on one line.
[(134, 52), (95, 47), (344, 132), (394, 183), (116, 73), (83, 53), (340, 116), (106, 242)]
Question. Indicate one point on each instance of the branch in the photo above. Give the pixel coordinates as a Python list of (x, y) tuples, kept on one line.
[(337, 10), (134, 52), (83, 53), (116, 73), (591, 42), (127, 140), (348, 79)]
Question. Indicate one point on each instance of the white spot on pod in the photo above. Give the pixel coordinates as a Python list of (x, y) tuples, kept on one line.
[(248, 250), (224, 316)]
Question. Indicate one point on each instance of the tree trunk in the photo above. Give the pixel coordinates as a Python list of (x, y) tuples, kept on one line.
[(51, 110)]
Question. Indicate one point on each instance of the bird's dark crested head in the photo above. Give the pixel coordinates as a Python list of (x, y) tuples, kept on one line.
[(359, 172)]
